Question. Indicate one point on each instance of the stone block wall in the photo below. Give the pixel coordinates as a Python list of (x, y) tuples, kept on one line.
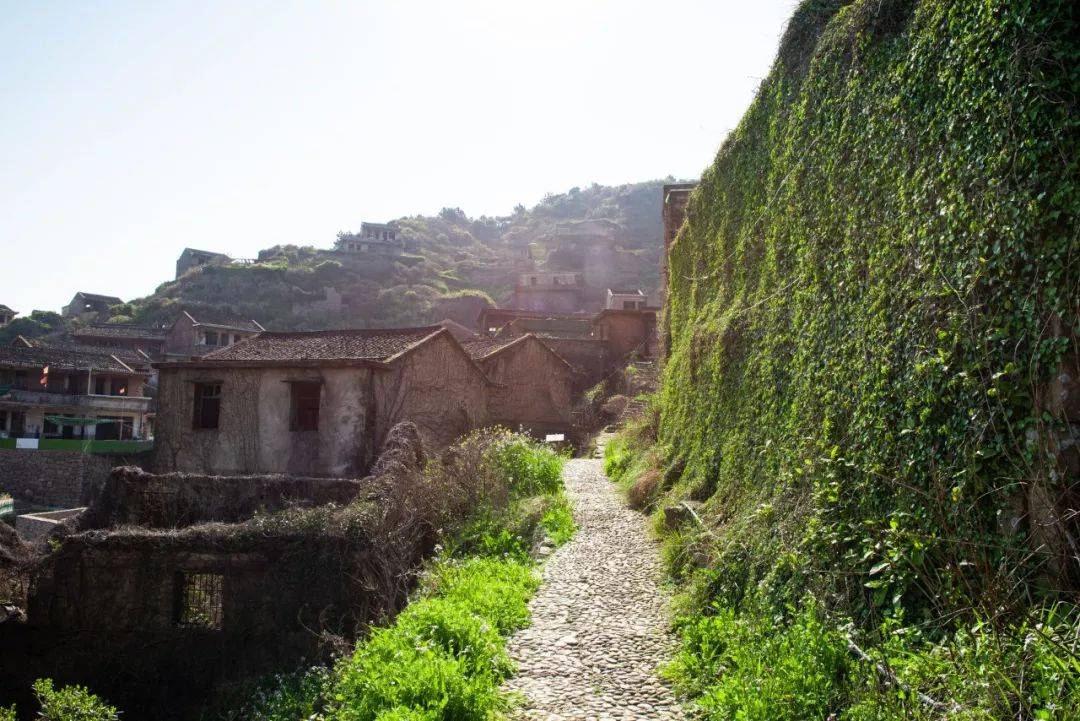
[(56, 478)]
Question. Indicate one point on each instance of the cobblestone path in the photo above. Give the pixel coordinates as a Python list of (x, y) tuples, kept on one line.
[(599, 629)]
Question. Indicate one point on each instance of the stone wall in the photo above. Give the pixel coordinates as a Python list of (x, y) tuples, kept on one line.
[(57, 478)]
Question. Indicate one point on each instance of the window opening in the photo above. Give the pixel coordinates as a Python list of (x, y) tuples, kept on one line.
[(200, 600), (207, 410), (305, 406)]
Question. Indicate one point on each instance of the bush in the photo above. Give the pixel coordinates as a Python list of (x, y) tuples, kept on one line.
[(558, 521), (532, 469), (71, 703)]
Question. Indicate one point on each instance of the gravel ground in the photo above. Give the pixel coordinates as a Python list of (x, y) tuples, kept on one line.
[(599, 626)]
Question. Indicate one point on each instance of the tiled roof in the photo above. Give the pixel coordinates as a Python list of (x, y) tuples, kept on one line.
[(483, 347), (550, 327), (119, 330), (65, 357), (487, 347), (223, 319), (323, 345), (4, 308)]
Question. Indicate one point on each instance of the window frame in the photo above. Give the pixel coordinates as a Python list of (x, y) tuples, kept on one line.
[(305, 405), (199, 399)]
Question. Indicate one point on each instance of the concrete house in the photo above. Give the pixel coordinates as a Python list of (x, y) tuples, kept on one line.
[(147, 339), (192, 258), (315, 403), (6, 315), (90, 306), (375, 238), (533, 384), (195, 333), (626, 332), (625, 299), (58, 391), (548, 292)]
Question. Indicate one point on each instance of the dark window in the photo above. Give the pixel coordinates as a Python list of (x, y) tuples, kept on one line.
[(207, 410), (211, 338), (199, 602), (305, 406), (99, 386)]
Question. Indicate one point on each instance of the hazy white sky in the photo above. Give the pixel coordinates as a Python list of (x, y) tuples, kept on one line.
[(130, 130)]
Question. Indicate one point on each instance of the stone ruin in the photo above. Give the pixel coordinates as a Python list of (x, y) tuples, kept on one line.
[(173, 589)]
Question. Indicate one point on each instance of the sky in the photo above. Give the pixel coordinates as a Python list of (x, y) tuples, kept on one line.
[(130, 130)]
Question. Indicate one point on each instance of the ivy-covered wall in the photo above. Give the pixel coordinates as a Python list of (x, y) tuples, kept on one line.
[(873, 293)]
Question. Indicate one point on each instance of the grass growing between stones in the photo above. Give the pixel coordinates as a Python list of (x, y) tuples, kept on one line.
[(444, 656)]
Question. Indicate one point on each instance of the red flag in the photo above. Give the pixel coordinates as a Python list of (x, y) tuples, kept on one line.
[(45, 376)]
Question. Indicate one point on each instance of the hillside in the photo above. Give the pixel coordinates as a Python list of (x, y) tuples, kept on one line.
[(872, 380), (448, 254)]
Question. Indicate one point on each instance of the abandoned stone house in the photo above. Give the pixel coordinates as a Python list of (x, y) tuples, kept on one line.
[(192, 258), (198, 332), (548, 292), (318, 402), (89, 306), (533, 384), (145, 339), (6, 315), (374, 238), (58, 391)]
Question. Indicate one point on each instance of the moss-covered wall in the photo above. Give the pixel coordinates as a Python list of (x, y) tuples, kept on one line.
[(875, 285)]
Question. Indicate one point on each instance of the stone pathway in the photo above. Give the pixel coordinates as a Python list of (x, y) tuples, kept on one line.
[(599, 629)]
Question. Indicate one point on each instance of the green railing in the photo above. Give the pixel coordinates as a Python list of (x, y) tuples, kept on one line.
[(90, 446)]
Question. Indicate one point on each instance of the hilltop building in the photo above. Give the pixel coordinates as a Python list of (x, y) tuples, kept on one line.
[(90, 306), (375, 238), (548, 292), (56, 391), (192, 258), (317, 403), (198, 332), (6, 315)]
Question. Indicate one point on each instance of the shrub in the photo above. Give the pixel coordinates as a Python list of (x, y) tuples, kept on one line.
[(644, 490), (71, 703), (532, 469)]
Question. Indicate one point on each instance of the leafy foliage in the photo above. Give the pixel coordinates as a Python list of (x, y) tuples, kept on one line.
[(71, 703), (874, 289)]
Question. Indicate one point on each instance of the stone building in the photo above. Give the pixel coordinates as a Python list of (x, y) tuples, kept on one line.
[(192, 258), (6, 315), (59, 391), (147, 339), (533, 384), (374, 238), (90, 306), (626, 332), (548, 292), (318, 402), (198, 332)]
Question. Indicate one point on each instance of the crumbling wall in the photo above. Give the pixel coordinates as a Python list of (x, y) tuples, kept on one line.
[(113, 609), (130, 496)]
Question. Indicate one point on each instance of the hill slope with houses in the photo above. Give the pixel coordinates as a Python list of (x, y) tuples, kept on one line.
[(437, 260)]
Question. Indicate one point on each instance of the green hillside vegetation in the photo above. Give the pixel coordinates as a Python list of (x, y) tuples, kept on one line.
[(875, 288), (447, 254)]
